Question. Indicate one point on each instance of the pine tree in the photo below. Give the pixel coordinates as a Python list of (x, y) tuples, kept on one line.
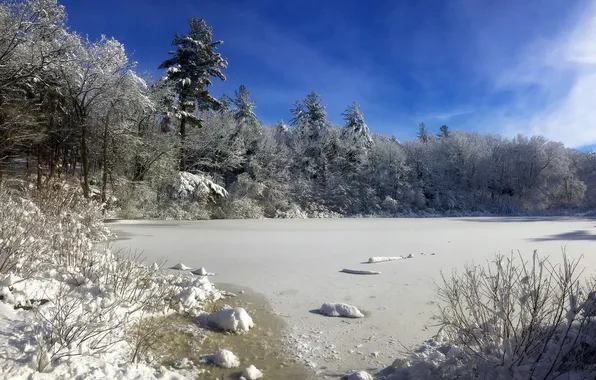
[(191, 66), (355, 125), (423, 133), (444, 132), (244, 106)]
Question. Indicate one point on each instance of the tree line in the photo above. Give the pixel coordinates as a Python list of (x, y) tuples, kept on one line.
[(71, 108)]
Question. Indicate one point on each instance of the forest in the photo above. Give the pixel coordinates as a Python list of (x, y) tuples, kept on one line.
[(76, 110)]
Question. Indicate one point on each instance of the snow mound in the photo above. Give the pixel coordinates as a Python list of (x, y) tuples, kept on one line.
[(360, 375), (223, 359), (363, 272), (180, 266), (340, 310), (381, 259), (231, 319), (251, 373), (196, 186), (202, 272)]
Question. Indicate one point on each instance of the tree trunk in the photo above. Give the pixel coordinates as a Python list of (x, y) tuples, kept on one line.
[(104, 177), (39, 166), (85, 159), (183, 145)]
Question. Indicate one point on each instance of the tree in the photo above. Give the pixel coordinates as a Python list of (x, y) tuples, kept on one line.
[(423, 133), (191, 67), (244, 106), (444, 132), (355, 126)]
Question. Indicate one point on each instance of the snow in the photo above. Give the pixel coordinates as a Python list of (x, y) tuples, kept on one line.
[(202, 272), (180, 266), (340, 310), (295, 264), (196, 186), (251, 373), (381, 259), (222, 358), (360, 375), (357, 271), (231, 319)]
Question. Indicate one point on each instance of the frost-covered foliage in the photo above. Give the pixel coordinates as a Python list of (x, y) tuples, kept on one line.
[(509, 320), (74, 107), (62, 296), (189, 186)]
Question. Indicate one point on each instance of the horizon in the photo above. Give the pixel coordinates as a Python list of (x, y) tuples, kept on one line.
[(513, 68)]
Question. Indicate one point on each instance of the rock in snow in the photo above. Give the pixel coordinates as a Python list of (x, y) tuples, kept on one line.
[(251, 373), (355, 271), (231, 319), (340, 310), (380, 259), (410, 256), (180, 266), (223, 359), (360, 375)]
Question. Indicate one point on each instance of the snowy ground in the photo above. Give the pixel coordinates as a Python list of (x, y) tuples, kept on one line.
[(296, 264)]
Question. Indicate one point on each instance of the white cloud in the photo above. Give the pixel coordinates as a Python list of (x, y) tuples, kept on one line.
[(564, 72)]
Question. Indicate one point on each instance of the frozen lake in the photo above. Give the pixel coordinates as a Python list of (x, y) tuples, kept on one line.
[(296, 264)]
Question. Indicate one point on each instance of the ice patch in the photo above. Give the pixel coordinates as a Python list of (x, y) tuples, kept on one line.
[(340, 310)]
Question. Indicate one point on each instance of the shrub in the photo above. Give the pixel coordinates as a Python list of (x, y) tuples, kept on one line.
[(520, 320)]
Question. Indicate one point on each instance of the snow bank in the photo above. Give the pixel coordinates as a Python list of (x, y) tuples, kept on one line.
[(363, 272), (196, 186), (231, 319), (381, 259), (223, 359), (360, 375), (251, 373), (340, 310)]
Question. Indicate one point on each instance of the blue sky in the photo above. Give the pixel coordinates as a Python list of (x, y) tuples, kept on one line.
[(505, 66)]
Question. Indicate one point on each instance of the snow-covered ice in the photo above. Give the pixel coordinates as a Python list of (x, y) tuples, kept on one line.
[(180, 266), (381, 259), (230, 319), (251, 373), (340, 310), (202, 272), (295, 264), (222, 358), (359, 271)]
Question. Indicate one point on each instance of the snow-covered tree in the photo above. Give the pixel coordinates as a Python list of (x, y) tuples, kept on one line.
[(244, 106), (191, 67), (444, 132)]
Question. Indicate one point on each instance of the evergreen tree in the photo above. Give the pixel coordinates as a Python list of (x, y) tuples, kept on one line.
[(191, 66), (355, 125), (444, 132), (244, 106), (423, 133)]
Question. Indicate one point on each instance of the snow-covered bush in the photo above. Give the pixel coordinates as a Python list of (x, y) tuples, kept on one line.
[(519, 320), (196, 187), (294, 212), (58, 225), (239, 208)]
